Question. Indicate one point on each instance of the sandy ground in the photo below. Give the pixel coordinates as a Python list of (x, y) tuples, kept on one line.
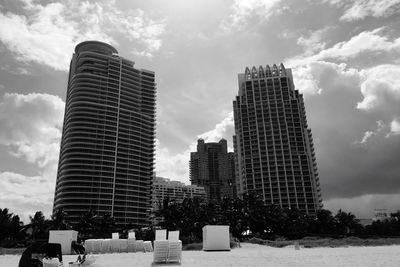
[(251, 255)]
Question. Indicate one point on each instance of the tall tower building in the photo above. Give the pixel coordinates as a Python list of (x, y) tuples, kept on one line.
[(213, 168), (273, 144), (107, 149)]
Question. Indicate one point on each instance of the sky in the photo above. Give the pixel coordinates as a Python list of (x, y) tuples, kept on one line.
[(344, 55)]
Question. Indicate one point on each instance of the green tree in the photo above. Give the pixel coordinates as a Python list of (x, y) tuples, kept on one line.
[(106, 225), (88, 224), (346, 222), (39, 226), (59, 220), (10, 224)]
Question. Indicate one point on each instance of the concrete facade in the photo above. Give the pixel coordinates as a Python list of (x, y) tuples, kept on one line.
[(107, 149), (213, 167), (274, 149)]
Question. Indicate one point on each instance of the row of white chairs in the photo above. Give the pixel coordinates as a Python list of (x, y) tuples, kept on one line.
[(118, 245), (167, 250)]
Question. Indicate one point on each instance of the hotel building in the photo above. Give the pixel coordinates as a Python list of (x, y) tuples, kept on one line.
[(212, 167), (274, 149), (164, 188), (107, 149)]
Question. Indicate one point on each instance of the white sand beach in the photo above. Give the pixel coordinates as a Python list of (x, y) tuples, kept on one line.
[(251, 255)]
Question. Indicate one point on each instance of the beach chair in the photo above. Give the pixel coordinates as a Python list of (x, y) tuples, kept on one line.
[(148, 247), (160, 247), (131, 242), (161, 234), (51, 262), (115, 244), (139, 246), (105, 245), (123, 245), (97, 245), (174, 247), (131, 235)]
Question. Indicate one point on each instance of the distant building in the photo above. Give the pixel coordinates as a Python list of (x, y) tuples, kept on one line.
[(164, 188), (107, 148), (213, 167), (273, 144), (380, 215)]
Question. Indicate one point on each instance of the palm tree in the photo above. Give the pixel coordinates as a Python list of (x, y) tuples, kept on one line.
[(106, 225), (58, 220), (346, 222), (324, 223), (88, 223), (39, 226), (10, 224)]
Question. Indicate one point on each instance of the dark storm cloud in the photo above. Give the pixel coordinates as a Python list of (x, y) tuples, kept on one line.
[(347, 166)]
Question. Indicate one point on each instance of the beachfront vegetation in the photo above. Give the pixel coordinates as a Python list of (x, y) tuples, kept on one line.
[(249, 219)]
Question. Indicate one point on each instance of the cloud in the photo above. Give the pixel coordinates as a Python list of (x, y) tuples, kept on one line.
[(381, 88), (242, 11), (48, 33), (30, 128), (363, 206), (359, 9), (364, 42), (395, 126), (369, 134), (24, 195), (313, 42), (355, 155), (176, 166), (309, 77), (224, 129)]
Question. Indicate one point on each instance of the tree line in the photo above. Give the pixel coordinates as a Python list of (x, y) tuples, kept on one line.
[(250, 217), (247, 217)]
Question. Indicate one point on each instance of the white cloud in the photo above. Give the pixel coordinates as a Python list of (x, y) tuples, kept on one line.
[(395, 126), (243, 10), (380, 87), (30, 126), (366, 41), (224, 129), (359, 9), (173, 166), (48, 33), (176, 166), (313, 41), (308, 77), (369, 134), (24, 195)]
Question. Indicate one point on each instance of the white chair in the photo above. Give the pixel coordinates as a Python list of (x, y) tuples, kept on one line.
[(139, 246), (123, 245), (115, 235), (105, 245), (53, 262), (97, 245), (131, 235), (174, 247), (115, 244), (161, 234), (161, 245), (131, 244), (148, 247), (89, 245), (160, 251)]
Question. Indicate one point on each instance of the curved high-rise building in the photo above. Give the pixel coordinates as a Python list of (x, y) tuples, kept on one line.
[(107, 149), (274, 148)]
